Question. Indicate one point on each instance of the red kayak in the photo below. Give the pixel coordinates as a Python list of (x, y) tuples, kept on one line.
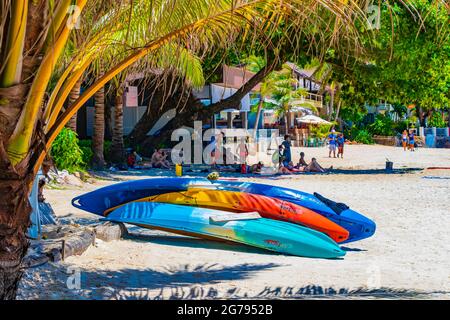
[(267, 207)]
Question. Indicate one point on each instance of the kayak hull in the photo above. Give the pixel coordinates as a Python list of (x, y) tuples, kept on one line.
[(359, 226), (98, 201), (267, 207), (278, 236)]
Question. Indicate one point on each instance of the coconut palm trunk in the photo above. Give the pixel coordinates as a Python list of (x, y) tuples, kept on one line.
[(258, 115), (73, 96), (117, 146), (98, 159), (14, 220)]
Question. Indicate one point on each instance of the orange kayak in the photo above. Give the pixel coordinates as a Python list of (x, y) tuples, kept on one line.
[(267, 207)]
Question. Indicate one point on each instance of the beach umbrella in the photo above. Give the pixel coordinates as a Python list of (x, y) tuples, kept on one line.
[(312, 119)]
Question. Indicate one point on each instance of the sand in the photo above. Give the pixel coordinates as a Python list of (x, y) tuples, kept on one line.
[(408, 257)]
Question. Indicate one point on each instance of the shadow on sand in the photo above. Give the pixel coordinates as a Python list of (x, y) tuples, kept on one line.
[(185, 282), (279, 293), (188, 242), (145, 173)]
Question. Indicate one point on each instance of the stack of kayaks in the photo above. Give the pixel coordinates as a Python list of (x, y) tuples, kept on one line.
[(263, 216)]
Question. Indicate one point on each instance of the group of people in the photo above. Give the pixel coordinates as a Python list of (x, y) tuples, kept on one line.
[(408, 140), (158, 159), (287, 166), (336, 142)]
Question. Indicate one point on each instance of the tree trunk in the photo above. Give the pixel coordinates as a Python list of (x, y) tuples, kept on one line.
[(337, 111), (448, 117), (286, 122), (15, 212), (188, 111), (73, 96), (258, 115), (117, 146), (98, 136), (331, 105)]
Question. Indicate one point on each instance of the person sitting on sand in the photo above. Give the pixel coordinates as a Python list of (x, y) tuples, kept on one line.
[(283, 170), (131, 160), (256, 168), (291, 166), (159, 160), (301, 161), (314, 166), (340, 144)]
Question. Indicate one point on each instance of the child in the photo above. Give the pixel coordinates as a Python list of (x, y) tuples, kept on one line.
[(301, 161), (131, 160), (340, 144)]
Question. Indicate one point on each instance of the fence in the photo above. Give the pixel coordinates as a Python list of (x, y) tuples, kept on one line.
[(436, 137)]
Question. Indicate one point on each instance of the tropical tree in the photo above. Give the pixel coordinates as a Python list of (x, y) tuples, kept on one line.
[(408, 61), (281, 86), (98, 134), (34, 35)]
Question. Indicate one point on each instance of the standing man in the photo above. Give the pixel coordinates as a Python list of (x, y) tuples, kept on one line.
[(287, 149), (332, 143)]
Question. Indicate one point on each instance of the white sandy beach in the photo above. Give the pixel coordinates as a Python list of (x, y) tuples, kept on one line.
[(408, 257)]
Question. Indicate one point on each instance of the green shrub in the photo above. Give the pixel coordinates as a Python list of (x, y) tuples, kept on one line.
[(400, 126), (86, 147), (383, 126), (364, 136), (321, 131), (66, 152), (436, 121)]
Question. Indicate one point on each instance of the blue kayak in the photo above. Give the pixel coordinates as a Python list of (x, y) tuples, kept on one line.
[(273, 235), (99, 200), (111, 196), (359, 226)]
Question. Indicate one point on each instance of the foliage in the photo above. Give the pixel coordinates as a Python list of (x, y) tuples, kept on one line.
[(86, 147), (66, 151), (383, 126), (363, 136), (437, 121), (400, 126), (408, 61), (280, 85), (321, 131), (399, 110)]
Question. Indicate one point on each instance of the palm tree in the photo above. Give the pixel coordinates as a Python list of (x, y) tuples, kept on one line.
[(117, 145), (98, 136), (73, 96), (29, 122), (281, 86)]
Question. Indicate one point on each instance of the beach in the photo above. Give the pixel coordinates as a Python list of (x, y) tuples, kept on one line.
[(408, 257)]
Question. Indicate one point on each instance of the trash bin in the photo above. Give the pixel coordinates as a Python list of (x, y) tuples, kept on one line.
[(389, 165)]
